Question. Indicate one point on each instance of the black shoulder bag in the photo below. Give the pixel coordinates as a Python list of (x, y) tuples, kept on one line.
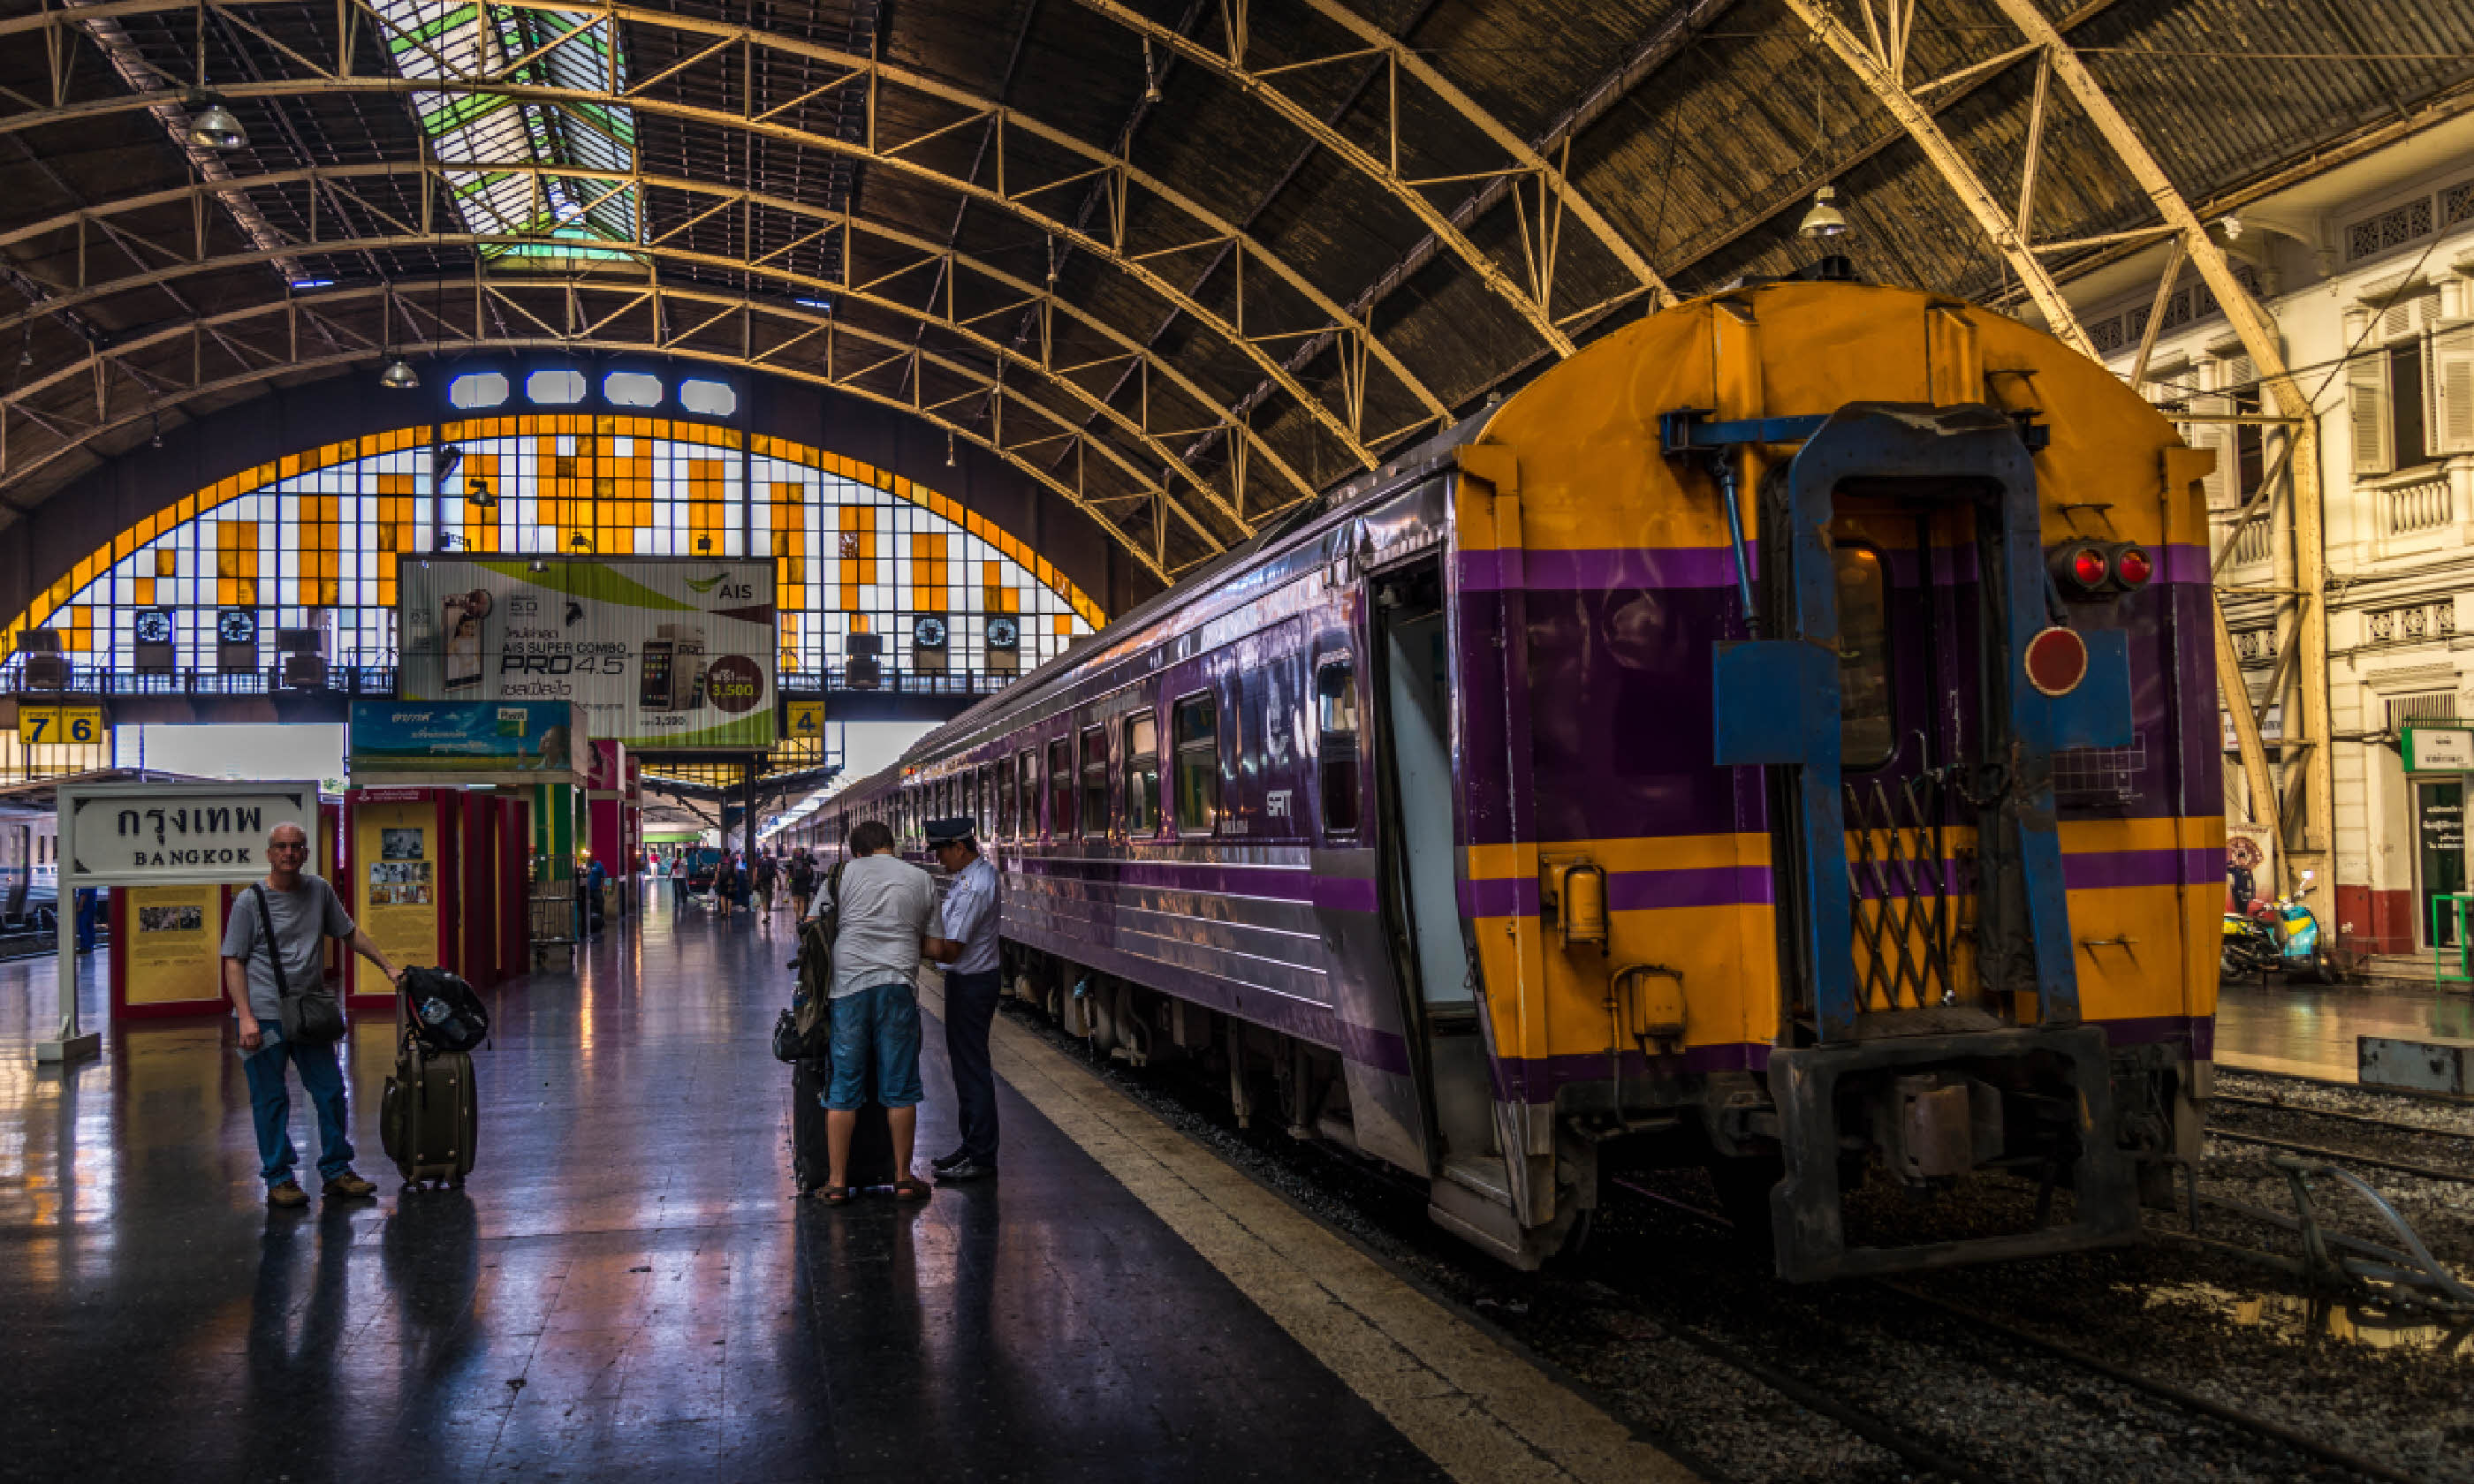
[(312, 1017)]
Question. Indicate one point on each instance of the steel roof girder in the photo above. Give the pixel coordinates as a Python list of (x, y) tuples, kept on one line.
[(732, 197)]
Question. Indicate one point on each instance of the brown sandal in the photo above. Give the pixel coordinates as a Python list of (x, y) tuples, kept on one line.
[(833, 1195), (912, 1188)]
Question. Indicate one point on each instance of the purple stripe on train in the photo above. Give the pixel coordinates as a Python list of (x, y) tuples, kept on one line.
[(1599, 569), (1536, 1079), (1629, 891), (2098, 870), (1337, 894)]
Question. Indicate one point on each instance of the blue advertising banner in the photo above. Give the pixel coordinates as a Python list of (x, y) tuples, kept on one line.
[(514, 741)]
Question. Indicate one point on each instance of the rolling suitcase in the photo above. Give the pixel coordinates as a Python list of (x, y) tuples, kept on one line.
[(428, 1118), (871, 1154)]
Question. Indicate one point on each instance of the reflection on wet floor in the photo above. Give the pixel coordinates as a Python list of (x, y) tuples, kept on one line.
[(2309, 1030), (626, 1288), (2319, 1316)]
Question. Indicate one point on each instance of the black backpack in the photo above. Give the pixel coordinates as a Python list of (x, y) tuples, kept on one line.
[(804, 1031), (447, 1014)]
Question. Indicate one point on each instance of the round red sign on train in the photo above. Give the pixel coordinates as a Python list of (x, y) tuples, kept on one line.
[(2057, 660)]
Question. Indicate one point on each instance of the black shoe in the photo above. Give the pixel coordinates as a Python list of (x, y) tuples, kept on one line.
[(949, 1161), (968, 1169)]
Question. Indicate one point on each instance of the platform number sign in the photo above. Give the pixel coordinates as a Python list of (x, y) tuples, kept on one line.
[(804, 720), (57, 726)]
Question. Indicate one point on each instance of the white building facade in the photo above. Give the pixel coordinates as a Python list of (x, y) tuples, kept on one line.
[(2369, 273)]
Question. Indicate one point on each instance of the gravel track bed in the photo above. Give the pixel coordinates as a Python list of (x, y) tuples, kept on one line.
[(1644, 1315)]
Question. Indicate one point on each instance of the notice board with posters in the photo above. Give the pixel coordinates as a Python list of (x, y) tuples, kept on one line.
[(167, 949), (664, 654), (404, 888)]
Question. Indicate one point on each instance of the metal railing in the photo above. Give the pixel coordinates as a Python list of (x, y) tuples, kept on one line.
[(2425, 504), (377, 682)]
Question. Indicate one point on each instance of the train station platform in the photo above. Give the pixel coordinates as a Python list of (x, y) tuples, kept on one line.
[(629, 1287), (2309, 1030)]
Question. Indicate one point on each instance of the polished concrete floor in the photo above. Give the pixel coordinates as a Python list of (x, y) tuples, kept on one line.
[(626, 1288)]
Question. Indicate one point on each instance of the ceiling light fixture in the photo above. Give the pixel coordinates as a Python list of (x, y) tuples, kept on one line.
[(1822, 218), (400, 376), (214, 128), (949, 447), (2230, 225), (1151, 79)]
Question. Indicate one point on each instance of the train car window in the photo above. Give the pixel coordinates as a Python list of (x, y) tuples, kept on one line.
[(1060, 789), (1867, 724), (1028, 765), (1142, 774), (1095, 783), (1198, 765), (1336, 745), (1004, 826)]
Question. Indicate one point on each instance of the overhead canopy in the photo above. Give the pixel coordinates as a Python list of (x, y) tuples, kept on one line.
[(1182, 264)]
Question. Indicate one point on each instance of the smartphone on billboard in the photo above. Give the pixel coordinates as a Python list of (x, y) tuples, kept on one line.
[(653, 690)]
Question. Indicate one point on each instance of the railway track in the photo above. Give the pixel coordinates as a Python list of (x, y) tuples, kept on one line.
[(1922, 1452)]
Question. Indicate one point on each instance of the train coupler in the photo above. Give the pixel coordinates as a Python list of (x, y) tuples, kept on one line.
[(1931, 1109)]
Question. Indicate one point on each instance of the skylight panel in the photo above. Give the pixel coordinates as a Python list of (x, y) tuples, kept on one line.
[(480, 139)]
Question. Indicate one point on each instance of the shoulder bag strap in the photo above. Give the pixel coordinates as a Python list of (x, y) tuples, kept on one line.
[(273, 950)]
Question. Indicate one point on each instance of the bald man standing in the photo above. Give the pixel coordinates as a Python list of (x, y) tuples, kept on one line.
[(305, 912)]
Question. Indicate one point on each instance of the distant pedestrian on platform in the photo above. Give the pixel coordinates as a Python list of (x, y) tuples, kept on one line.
[(304, 912), (725, 882), (964, 940), (887, 905), (594, 878), (765, 878), (802, 872)]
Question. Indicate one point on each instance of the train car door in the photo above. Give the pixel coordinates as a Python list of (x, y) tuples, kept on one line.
[(1411, 693)]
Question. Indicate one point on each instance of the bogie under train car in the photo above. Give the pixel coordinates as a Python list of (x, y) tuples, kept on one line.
[(1784, 737)]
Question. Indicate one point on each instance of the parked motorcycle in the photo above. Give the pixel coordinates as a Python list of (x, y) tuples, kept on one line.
[(2279, 935)]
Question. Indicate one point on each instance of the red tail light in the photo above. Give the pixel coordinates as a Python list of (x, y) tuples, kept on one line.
[(2133, 566), (2083, 569)]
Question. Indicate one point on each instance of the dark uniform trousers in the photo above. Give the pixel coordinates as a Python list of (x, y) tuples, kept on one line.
[(970, 1007)]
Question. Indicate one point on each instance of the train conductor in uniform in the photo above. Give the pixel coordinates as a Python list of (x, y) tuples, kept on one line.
[(966, 942)]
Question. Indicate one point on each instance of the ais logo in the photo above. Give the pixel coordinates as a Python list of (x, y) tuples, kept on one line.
[(713, 586)]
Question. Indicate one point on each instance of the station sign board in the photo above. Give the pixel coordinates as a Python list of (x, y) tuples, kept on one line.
[(664, 654), (2439, 749), (469, 741), (173, 835)]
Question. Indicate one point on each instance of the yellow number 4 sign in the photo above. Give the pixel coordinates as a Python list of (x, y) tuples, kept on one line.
[(55, 726), (806, 718)]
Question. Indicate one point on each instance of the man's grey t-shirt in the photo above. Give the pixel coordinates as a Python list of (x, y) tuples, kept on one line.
[(886, 905), (302, 919)]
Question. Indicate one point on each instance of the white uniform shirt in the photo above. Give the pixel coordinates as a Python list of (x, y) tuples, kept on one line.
[(970, 917), (886, 904)]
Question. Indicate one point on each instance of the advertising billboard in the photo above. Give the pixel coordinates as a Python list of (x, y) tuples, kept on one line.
[(664, 654), (468, 741)]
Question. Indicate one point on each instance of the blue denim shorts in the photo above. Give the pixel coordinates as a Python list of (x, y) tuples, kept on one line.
[(880, 1025)]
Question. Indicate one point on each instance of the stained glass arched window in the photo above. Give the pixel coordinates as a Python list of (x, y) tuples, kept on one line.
[(312, 540)]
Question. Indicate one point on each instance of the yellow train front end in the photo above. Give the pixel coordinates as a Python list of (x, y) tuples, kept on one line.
[(1839, 733)]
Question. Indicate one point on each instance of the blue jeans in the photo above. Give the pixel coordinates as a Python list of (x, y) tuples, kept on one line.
[(880, 1025), (270, 1104)]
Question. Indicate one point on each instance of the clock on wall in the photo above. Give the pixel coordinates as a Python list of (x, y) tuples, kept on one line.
[(153, 626), (928, 632), (1004, 633), (236, 626)]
